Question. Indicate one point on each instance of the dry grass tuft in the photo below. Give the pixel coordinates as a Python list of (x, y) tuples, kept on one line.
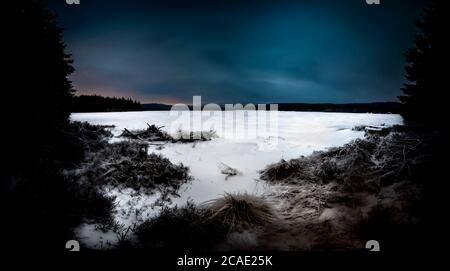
[(188, 227), (241, 210)]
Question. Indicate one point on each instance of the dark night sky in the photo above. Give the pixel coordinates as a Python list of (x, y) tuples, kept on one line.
[(239, 51)]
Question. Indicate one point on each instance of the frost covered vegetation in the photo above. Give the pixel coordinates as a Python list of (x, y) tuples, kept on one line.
[(121, 165), (215, 225), (188, 227), (127, 164), (241, 210), (68, 189), (364, 164), (371, 188)]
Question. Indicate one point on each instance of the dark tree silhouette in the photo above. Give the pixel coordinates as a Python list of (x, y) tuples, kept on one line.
[(41, 63), (424, 103), (40, 94), (423, 99), (34, 198)]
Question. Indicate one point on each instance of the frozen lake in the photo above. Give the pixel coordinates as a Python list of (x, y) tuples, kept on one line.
[(299, 133)]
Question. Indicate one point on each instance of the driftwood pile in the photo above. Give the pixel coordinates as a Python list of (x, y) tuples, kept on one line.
[(154, 133)]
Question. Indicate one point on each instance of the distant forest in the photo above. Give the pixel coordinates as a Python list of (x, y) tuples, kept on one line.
[(384, 107), (96, 103)]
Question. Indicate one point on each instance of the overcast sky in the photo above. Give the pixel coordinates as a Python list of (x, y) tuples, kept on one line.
[(239, 51)]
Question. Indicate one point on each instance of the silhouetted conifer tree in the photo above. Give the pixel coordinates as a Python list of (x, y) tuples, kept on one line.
[(37, 108), (40, 94), (423, 100)]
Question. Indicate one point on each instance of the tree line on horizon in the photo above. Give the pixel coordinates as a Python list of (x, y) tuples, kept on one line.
[(97, 103)]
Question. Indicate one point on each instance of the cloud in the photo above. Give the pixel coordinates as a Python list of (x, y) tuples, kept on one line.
[(251, 51)]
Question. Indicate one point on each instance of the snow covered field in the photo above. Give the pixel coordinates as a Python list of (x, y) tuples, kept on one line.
[(299, 133)]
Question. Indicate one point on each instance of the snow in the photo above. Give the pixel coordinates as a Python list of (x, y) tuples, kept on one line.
[(94, 238), (299, 133)]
